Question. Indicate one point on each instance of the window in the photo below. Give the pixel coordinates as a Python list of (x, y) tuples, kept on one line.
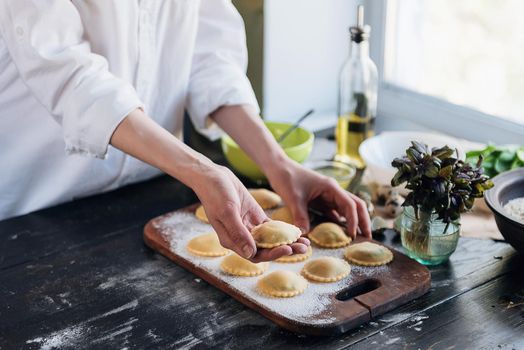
[(448, 61)]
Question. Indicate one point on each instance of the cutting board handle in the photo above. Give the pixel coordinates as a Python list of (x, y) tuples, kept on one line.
[(358, 289)]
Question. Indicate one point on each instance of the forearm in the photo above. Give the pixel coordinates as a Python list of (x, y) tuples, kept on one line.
[(141, 137), (249, 131)]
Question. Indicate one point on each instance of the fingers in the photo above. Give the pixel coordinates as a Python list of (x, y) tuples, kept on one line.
[(348, 208), (272, 254), (235, 235), (228, 242), (255, 216), (364, 222), (304, 241), (350, 212), (299, 247), (353, 209), (300, 216), (345, 205)]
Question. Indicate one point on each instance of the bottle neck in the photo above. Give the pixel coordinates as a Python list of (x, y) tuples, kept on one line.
[(359, 50)]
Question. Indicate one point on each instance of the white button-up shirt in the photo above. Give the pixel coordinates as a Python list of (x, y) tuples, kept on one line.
[(70, 71)]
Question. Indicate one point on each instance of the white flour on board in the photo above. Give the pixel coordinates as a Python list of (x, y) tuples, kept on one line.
[(180, 227)]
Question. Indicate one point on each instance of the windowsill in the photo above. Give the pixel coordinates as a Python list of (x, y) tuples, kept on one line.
[(406, 107)]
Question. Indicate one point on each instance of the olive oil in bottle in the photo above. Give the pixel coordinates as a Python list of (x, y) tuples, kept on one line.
[(357, 103)]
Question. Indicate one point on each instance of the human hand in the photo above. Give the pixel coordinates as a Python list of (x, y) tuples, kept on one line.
[(300, 187), (233, 212), (230, 208)]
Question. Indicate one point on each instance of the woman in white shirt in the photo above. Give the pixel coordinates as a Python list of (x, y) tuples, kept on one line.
[(85, 75)]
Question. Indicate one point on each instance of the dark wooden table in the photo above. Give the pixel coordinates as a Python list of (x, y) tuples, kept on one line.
[(79, 276)]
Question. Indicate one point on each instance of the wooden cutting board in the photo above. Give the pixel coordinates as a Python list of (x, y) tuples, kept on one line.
[(365, 295)]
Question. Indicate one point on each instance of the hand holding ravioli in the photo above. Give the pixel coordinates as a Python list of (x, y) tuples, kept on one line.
[(234, 212)]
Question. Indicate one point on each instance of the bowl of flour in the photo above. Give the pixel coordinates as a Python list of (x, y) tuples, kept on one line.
[(506, 200)]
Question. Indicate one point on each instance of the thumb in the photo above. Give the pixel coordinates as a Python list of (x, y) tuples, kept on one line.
[(300, 217), (240, 238)]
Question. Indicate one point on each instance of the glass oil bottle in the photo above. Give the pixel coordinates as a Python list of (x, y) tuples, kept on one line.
[(357, 103)]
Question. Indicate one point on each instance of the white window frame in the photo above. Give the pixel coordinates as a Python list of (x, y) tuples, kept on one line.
[(396, 104)]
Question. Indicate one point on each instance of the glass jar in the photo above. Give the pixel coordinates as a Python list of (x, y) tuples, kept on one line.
[(427, 239), (343, 173)]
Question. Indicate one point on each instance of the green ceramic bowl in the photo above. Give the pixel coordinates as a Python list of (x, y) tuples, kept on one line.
[(297, 145)]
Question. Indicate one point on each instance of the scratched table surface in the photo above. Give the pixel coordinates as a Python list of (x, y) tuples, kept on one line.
[(78, 275)]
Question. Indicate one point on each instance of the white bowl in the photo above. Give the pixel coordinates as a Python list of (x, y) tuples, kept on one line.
[(379, 151)]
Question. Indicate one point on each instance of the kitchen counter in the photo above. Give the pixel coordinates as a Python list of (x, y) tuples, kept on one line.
[(78, 275)]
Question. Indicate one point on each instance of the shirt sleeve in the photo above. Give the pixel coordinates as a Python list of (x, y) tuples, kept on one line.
[(218, 73), (45, 41)]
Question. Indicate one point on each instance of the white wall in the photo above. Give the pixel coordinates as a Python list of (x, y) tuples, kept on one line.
[(305, 43)]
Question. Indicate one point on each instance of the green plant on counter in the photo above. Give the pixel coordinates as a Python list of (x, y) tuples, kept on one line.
[(498, 159), (440, 183)]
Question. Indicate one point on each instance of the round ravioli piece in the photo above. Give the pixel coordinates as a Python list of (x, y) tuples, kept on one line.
[(200, 213), (329, 235), (283, 214), (295, 257), (368, 254), (282, 284), (326, 269), (265, 198), (236, 265), (206, 245), (274, 233)]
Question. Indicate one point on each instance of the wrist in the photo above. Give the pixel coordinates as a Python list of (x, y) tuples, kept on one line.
[(272, 161), (280, 168), (194, 172)]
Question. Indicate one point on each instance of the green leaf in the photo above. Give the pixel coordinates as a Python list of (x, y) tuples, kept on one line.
[(510, 148), (490, 172), (473, 154), (501, 165), (413, 154), (431, 171), (491, 157), (507, 156), (399, 178), (495, 153), (516, 163), (472, 160), (443, 152), (399, 162), (420, 147), (446, 171), (448, 161), (520, 154), (488, 164)]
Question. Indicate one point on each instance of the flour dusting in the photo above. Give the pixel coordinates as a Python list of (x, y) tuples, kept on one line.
[(131, 305), (187, 342), (75, 337), (69, 337), (308, 307), (396, 318), (419, 318), (392, 341)]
